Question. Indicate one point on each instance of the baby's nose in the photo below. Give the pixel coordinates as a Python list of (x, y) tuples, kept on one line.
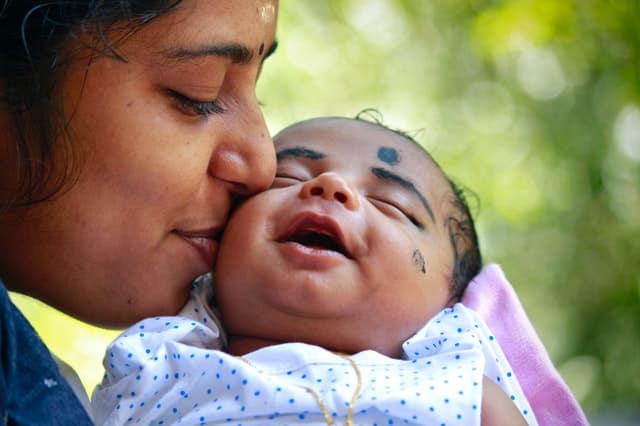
[(331, 186)]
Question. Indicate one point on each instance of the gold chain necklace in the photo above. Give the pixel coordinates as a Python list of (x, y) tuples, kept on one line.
[(327, 416)]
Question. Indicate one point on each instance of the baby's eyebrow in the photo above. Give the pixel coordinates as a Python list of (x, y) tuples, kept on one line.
[(389, 176), (299, 152)]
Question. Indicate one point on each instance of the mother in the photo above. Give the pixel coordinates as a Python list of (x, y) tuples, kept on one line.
[(128, 129)]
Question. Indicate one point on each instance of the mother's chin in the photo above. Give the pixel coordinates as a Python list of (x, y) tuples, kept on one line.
[(158, 288)]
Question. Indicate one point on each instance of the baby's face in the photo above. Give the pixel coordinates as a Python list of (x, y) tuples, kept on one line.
[(349, 249)]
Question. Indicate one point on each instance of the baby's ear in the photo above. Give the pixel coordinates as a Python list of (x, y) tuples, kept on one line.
[(457, 228), (466, 255)]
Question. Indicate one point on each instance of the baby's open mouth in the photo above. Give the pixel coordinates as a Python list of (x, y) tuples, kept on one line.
[(318, 240), (318, 233)]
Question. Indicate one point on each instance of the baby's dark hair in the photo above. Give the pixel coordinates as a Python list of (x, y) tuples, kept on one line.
[(462, 231)]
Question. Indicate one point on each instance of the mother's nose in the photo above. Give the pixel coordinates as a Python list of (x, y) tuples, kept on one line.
[(331, 187), (245, 157)]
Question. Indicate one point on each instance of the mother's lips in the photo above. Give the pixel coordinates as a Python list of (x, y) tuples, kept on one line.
[(210, 233), (205, 241), (320, 232)]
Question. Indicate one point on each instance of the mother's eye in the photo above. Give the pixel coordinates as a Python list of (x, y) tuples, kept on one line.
[(193, 107), (391, 208)]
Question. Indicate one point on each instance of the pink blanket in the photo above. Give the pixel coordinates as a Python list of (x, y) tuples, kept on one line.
[(493, 298)]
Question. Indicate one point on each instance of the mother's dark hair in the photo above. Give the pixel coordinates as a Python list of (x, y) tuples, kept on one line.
[(34, 53)]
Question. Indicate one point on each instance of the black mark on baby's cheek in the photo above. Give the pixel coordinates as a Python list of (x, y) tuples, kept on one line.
[(418, 260), (261, 49), (388, 155)]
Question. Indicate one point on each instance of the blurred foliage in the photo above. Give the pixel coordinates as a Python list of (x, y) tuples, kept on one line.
[(532, 104)]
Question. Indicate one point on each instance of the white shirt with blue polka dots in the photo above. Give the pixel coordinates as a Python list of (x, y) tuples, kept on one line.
[(170, 370)]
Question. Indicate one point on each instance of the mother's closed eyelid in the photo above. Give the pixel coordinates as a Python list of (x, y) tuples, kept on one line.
[(193, 107)]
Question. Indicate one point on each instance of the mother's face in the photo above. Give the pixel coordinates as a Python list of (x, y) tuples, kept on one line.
[(167, 140)]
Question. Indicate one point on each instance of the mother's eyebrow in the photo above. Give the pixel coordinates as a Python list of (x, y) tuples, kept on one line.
[(236, 52), (299, 152), (389, 176)]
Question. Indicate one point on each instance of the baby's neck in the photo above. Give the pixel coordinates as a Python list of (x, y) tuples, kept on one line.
[(241, 345)]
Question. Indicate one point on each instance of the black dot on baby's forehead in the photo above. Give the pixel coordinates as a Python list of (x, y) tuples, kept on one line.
[(261, 49), (388, 155)]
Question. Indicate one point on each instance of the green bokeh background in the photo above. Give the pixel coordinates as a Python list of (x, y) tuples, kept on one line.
[(532, 104)]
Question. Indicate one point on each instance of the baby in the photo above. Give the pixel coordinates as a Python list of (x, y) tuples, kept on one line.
[(338, 291)]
